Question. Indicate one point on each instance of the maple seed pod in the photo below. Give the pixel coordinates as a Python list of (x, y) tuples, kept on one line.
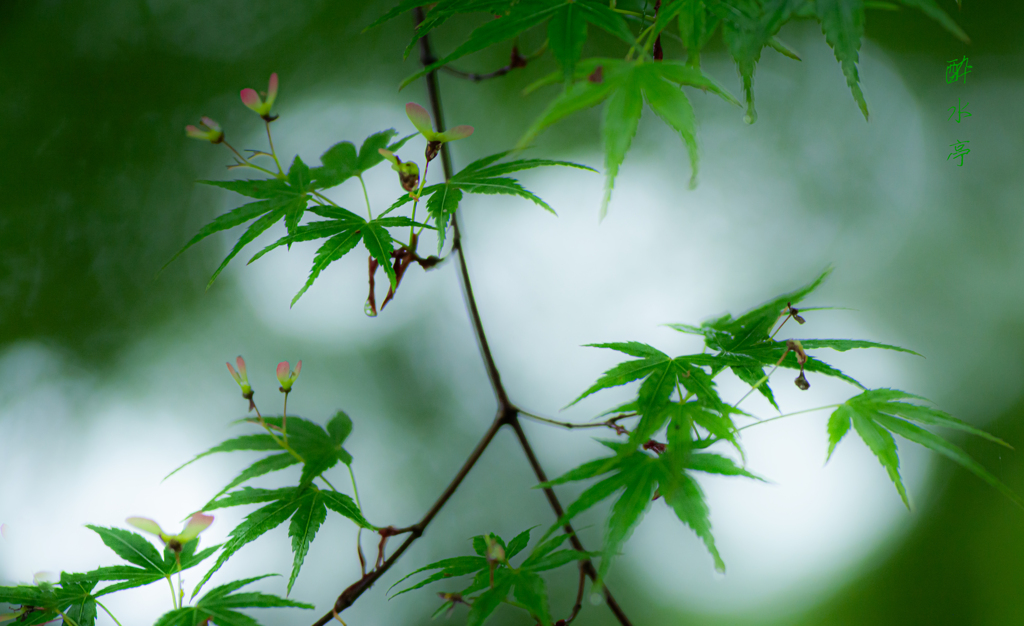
[(794, 345), (802, 383), (495, 552), (433, 148)]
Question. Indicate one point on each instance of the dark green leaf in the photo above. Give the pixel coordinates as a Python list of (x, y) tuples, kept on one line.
[(270, 464), (249, 495), (932, 10), (339, 428), (842, 345), (233, 218), (221, 606), (530, 592), (567, 32), (333, 249), (255, 230), (716, 464), (259, 189), (640, 481), (672, 106), (255, 524), (130, 546), (881, 443), (346, 507), (684, 495), (842, 21), (379, 244), (442, 206), (619, 125), (245, 442), (838, 425), (938, 444), (306, 521), (485, 603)]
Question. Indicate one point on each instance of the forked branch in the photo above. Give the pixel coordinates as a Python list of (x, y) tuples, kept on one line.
[(508, 413)]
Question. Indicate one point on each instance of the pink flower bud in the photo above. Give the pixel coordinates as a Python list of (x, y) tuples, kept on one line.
[(208, 130), (287, 377), (241, 377), (262, 105), (197, 524)]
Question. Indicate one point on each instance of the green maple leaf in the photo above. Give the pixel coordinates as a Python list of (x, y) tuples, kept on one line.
[(221, 605), (277, 200), (877, 414), (147, 564), (483, 176), (635, 476), (342, 161), (526, 585), (626, 85), (662, 376), (305, 506), (343, 230), (71, 598), (747, 343)]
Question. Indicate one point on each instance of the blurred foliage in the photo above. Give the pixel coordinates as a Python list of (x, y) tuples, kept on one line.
[(99, 194)]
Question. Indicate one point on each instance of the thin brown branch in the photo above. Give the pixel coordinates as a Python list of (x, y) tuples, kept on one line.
[(349, 595), (556, 506), (427, 58), (516, 62), (612, 423), (579, 599)]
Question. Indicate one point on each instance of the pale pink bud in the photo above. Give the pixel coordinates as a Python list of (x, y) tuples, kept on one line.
[(147, 525), (453, 134), (197, 524), (420, 119)]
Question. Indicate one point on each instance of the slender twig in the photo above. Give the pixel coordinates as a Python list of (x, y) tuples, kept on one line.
[(556, 506), (610, 423), (518, 61), (579, 597), (778, 417)]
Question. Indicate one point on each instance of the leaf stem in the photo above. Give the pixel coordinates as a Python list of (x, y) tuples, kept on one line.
[(369, 211), (100, 604), (174, 596), (763, 380), (273, 152), (416, 202), (329, 201), (778, 417), (247, 163), (67, 620), (270, 431), (284, 419)]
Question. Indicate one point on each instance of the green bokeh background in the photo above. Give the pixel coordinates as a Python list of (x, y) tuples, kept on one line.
[(98, 194)]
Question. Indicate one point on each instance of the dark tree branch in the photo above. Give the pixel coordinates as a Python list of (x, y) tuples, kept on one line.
[(355, 590), (507, 413), (556, 506)]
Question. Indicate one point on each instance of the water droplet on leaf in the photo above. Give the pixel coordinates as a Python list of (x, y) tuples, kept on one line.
[(368, 308)]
